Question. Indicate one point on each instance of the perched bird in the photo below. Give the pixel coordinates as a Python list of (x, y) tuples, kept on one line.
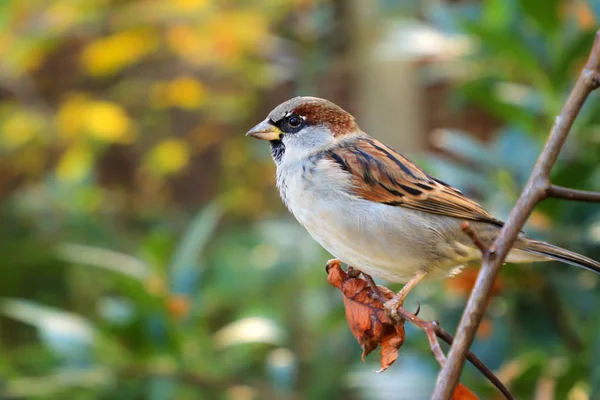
[(371, 207)]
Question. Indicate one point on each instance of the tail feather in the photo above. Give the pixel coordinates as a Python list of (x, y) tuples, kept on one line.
[(548, 250)]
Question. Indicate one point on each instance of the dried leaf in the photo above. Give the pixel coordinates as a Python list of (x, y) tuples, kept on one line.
[(463, 393), (366, 316)]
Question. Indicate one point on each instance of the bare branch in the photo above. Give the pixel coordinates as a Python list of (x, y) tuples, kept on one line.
[(559, 192), (476, 241), (534, 192), (433, 330)]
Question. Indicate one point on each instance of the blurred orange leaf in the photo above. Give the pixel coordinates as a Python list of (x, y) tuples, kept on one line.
[(179, 305), (463, 393)]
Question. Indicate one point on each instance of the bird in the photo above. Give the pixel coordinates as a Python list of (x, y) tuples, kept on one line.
[(374, 209)]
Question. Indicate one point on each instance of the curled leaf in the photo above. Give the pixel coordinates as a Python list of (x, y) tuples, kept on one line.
[(366, 316)]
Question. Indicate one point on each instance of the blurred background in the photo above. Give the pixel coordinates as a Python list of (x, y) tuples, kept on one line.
[(145, 254)]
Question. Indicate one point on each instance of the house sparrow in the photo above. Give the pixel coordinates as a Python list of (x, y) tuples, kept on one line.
[(371, 207)]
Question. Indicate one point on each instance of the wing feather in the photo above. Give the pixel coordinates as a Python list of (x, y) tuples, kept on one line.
[(383, 175)]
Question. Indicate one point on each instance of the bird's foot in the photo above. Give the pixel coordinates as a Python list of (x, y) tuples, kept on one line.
[(353, 272), (332, 263), (391, 307)]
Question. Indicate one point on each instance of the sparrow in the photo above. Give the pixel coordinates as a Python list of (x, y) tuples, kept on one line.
[(372, 208)]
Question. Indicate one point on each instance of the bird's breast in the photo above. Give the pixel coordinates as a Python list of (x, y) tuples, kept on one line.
[(390, 242)]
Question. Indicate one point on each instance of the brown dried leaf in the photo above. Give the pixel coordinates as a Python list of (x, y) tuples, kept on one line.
[(366, 316), (463, 393)]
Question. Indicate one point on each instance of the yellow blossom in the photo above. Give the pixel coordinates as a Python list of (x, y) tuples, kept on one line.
[(192, 44), (101, 120), (62, 15), (189, 5), (70, 117), (107, 122), (186, 92), (108, 55), (169, 156), (19, 128)]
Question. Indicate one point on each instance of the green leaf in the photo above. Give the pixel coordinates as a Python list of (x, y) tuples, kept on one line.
[(183, 268), (103, 258), (497, 14), (508, 54), (576, 50), (545, 13), (68, 335)]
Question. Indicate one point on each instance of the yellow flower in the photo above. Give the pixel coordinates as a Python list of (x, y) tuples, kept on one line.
[(75, 164), (186, 92), (190, 5), (169, 156), (20, 128), (183, 92), (107, 122), (109, 55), (70, 117), (101, 120), (195, 45), (61, 16), (235, 32)]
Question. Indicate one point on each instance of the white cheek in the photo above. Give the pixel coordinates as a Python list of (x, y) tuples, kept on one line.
[(308, 140)]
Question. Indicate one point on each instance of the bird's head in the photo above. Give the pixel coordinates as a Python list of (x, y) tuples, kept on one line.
[(304, 125)]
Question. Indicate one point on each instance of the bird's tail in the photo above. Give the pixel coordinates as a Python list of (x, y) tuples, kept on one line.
[(549, 251)]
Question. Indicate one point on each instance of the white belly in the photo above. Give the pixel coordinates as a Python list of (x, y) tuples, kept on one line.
[(385, 241)]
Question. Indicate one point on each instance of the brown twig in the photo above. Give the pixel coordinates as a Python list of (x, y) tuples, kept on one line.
[(433, 330), (466, 227), (559, 192), (537, 189)]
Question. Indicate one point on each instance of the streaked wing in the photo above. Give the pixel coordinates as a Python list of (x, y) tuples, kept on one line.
[(383, 175)]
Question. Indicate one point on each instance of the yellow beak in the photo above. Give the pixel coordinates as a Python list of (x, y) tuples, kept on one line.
[(265, 131)]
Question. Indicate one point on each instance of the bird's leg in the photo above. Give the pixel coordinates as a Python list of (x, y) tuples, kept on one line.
[(391, 306)]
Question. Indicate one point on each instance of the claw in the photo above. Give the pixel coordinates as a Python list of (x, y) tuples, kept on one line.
[(331, 263), (391, 307), (418, 309), (353, 272)]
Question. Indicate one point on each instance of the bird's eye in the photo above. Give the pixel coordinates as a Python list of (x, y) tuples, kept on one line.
[(295, 121)]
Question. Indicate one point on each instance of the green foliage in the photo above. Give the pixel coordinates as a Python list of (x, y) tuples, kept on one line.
[(144, 252)]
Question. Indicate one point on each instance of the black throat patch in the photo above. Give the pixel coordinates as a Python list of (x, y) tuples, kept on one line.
[(277, 150)]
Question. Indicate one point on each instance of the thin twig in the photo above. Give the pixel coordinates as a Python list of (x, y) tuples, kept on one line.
[(559, 192), (466, 227), (433, 330), (535, 191), (436, 349)]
